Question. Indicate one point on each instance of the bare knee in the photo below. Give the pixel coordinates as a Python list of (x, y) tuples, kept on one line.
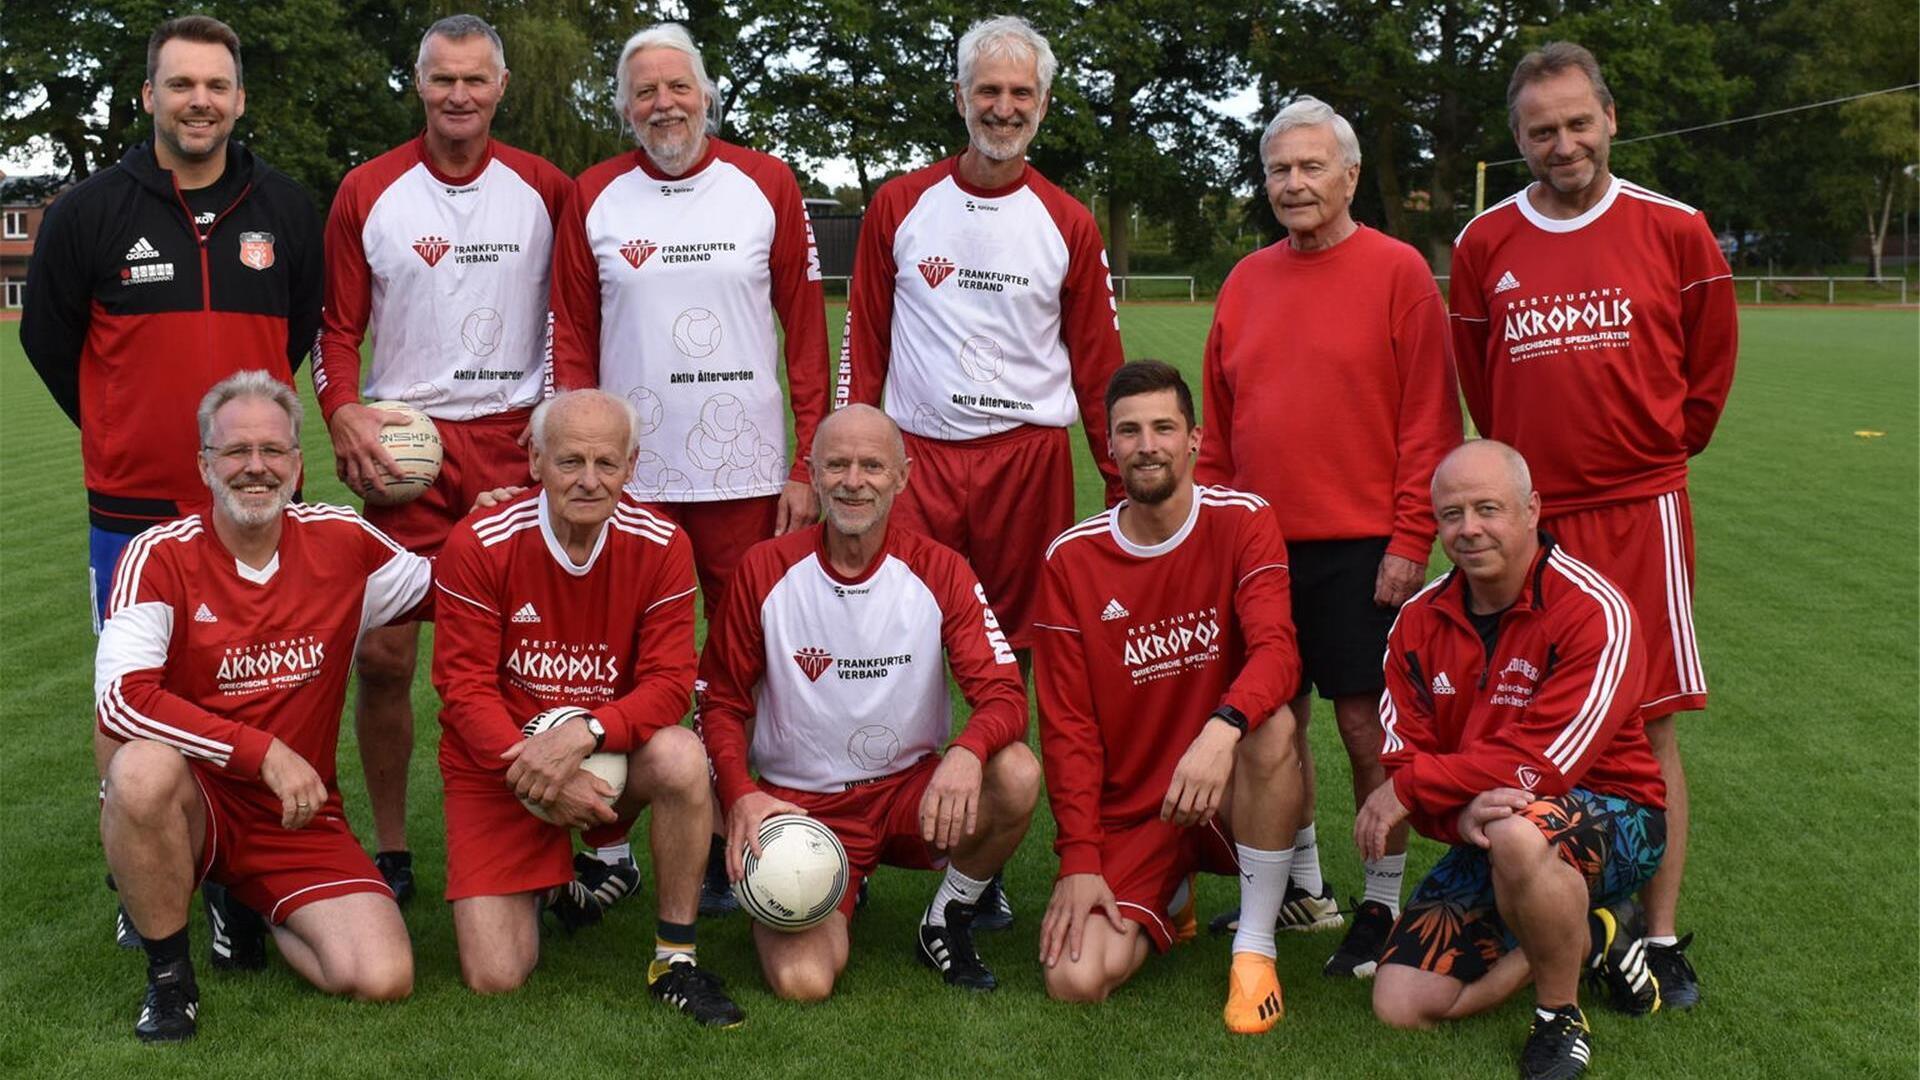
[(1081, 984), (806, 983), (386, 659), (1268, 753), (1404, 1004), (1513, 841), (674, 763), (497, 974), (145, 779), (1013, 775), (387, 977)]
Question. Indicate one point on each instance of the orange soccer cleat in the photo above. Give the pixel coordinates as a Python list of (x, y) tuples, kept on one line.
[(1253, 995)]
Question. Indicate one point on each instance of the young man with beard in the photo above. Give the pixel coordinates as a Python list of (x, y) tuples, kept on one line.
[(676, 272), (571, 594), (825, 672), (982, 319), (223, 666), (1595, 330), (189, 249), (1164, 628), (441, 247)]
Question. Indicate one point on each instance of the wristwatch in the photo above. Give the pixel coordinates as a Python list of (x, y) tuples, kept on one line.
[(598, 731), (1232, 716)]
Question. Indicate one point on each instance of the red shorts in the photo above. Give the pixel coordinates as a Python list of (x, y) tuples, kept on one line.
[(1646, 548), (495, 847), (476, 456), (877, 822), (274, 870), (999, 501), (721, 532), (1144, 865)]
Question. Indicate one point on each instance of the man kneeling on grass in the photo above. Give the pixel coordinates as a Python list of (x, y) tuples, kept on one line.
[(1512, 732), (222, 668)]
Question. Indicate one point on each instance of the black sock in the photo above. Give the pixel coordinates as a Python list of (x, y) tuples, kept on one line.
[(162, 951), (717, 861), (398, 858)]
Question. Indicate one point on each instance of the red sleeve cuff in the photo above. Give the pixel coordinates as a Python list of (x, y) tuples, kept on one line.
[(1413, 548), (250, 746), (1079, 857)]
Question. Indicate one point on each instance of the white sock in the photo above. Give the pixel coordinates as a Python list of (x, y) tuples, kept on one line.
[(614, 854), (1384, 875), (1263, 885), (1306, 861), (1668, 940), (954, 886)]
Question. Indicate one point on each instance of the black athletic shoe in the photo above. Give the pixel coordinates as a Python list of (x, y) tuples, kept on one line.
[(994, 912), (1300, 911), (396, 869), (1359, 954), (124, 935), (697, 992), (1618, 964), (949, 949), (1558, 1045), (237, 936), (716, 892), (860, 898), (1679, 986), (169, 1011), (595, 887)]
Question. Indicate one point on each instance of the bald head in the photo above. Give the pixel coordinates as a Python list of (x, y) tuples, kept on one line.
[(859, 421), (1484, 460), (570, 407)]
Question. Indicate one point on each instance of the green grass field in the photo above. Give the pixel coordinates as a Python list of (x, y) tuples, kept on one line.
[(1804, 882)]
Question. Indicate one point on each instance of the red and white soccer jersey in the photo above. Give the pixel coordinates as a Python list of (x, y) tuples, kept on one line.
[(451, 276), (521, 629), (1550, 704), (975, 311), (665, 291), (844, 678), (1601, 347), (216, 659), (1138, 645)]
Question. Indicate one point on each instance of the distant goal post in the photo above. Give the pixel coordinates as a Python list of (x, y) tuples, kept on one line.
[(1155, 287)]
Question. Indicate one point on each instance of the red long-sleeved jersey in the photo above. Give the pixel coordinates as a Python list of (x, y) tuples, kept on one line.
[(1135, 648), (1601, 347), (524, 629), (1330, 391), (1549, 703)]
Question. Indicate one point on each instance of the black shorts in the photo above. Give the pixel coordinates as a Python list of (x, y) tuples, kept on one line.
[(1343, 633)]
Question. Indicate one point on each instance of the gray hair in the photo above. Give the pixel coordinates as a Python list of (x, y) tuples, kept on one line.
[(459, 28), (667, 35), (1547, 61), (567, 399), (1307, 111), (894, 439), (249, 384), (1517, 470), (1007, 37)]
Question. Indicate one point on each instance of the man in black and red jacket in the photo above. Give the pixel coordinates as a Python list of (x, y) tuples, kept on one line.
[(151, 281)]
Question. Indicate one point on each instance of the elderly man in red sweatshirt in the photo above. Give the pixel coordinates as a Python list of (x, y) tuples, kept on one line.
[(1330, 393)]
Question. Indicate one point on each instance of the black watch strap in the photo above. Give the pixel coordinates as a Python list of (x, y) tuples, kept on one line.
[(1232, 716), (596, 729)]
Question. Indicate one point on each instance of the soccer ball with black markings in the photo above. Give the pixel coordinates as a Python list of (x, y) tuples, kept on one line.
[(799, 876)]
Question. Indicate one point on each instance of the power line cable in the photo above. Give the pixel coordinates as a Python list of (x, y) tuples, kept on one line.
[(1741, 119)]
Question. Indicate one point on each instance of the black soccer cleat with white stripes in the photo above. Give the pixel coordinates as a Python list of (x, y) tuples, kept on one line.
[(697, 992), (1619, 960), (238, 935), (596, 886), (949, 949), (1559, 1045), (170, 1011)]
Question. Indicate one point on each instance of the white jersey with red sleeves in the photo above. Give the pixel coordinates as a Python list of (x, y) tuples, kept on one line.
[(1601, 347), (1137, 645), (450, 274), (845, 679), (665, 292), (522, 628), (217, 659), (980, 310)]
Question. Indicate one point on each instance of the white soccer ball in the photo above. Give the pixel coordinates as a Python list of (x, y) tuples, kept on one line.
[(481, 331), (799, 877), (696, 333), (606, 765), (415, 446)]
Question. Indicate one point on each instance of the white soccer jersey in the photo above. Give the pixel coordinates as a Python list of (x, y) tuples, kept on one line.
[(845, 679), (666, 291), (979, 311), (450, 275)]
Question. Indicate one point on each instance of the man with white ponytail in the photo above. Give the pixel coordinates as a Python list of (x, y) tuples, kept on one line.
[(675, 275)]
